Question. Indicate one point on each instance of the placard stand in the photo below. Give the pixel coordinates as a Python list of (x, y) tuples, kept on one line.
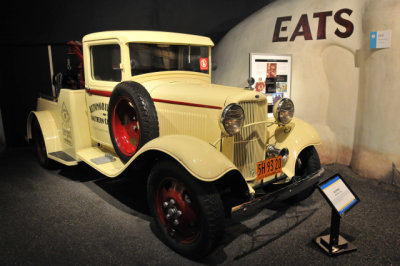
[(334, 243), (341, 198)]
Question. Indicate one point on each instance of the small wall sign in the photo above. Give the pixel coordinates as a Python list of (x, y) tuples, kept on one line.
[(380, 39)]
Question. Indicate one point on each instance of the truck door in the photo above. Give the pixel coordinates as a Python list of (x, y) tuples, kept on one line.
[(103, 74)]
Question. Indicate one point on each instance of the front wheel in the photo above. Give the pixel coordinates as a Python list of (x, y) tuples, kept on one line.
[(188, 212), (307, 163)]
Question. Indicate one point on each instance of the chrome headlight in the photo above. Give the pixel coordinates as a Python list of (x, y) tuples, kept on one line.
[(232, 119), (284, 111), (273, 151)]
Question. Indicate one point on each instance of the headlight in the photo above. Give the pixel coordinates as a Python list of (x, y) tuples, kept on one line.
[(273, 151), (232, 119), (284, 111)]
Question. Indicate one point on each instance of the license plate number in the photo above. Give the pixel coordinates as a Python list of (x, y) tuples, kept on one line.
[(268, 167)]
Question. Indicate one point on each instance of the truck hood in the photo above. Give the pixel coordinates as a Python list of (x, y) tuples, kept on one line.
[(199, 94)]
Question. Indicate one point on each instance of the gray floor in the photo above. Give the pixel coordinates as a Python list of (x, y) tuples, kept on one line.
[(75, 216)]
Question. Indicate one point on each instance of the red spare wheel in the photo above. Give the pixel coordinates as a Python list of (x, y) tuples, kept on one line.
[(132, 119)]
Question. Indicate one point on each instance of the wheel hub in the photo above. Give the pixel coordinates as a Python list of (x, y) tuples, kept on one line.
[(172, 212), (176, 211), (126, 126)]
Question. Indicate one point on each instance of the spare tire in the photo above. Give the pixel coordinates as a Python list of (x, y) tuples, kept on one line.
[(132, 119)]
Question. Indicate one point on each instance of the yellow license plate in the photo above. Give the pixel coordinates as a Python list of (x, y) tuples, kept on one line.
[(268, 167)]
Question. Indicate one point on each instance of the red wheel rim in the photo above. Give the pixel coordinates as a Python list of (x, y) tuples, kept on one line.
[(176, 211), (125, 126)]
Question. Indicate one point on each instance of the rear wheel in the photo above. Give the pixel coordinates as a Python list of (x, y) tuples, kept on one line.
[(40, 147), (188, 212)]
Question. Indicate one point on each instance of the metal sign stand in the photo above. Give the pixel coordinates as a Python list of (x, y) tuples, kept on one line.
[(341, 198), (334, 243)]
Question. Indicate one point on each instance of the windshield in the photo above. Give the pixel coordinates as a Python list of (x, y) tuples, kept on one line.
[(147, 58)]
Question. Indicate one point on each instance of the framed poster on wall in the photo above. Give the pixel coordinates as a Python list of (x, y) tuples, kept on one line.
[(272, 75)]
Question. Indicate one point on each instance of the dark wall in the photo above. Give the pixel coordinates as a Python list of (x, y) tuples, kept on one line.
[(27, 29)]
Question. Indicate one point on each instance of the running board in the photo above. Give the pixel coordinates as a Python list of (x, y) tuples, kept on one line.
[(102, 160), (62, 157)]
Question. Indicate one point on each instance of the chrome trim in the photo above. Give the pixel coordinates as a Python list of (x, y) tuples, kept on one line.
[(249, 143), (273, 151)]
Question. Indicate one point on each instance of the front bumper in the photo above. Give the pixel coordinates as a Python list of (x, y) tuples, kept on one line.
[(247, 208)]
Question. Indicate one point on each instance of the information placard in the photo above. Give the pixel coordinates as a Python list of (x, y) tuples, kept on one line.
[(338, 194), (272, 76)]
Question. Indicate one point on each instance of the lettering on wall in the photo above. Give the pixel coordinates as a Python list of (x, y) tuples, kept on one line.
[(302, 29)]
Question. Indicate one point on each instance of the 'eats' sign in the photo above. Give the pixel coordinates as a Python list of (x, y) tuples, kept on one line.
[(303, 26)]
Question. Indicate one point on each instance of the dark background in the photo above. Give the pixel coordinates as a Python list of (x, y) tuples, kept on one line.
[(28, 27)]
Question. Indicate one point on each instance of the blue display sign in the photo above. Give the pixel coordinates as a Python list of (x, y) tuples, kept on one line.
[(338, 194)]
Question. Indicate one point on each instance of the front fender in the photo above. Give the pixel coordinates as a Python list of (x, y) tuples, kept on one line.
[(197, 156), (300, 136), (49, 130)]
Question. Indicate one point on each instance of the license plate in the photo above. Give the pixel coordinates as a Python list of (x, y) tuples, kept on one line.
[(268, 167)]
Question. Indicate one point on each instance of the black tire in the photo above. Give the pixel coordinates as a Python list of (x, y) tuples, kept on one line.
[(40, 147), (307, 163), (201, 217), (132, 119)]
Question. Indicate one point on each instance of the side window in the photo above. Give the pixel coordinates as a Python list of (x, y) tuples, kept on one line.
[(106, 61)]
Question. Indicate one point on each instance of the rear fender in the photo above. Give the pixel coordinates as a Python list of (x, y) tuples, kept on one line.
[(49, 130), (295, 136)]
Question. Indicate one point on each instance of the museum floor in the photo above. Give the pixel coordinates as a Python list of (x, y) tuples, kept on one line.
[(75, 216)]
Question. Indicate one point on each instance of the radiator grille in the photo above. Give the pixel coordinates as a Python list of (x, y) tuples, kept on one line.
[(249, 144)]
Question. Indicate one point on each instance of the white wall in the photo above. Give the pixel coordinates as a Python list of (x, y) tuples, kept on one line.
[(347, 91)]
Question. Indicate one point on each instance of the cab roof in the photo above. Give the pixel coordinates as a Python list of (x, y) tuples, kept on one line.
[(149, 37)]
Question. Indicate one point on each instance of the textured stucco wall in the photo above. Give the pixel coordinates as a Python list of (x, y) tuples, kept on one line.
[(348, 92), (377, 139)]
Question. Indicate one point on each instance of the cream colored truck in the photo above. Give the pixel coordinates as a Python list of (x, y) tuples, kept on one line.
[(148, 102)]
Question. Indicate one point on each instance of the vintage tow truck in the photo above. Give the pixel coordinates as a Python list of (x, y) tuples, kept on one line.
[(211, 151)]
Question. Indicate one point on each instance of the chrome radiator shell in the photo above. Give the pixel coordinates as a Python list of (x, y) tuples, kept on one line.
[(250, 143)]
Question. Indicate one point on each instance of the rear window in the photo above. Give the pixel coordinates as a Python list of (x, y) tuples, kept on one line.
[(147, 58)]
